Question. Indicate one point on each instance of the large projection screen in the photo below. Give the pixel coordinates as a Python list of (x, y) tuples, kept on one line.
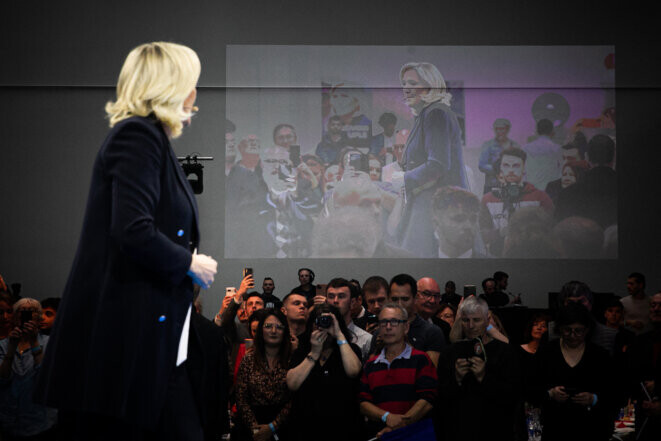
[(420, 152)]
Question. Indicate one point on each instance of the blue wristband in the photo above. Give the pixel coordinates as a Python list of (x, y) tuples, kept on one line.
[(36, 349), (272, 427), (341, 342), (594, 400), (384, 417), (490, 327)]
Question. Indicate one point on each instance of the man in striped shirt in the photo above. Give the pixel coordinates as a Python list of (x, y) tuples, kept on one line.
[(398, 385)]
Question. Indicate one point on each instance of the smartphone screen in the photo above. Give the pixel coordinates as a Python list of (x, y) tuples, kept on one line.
[(26, 316), (469, 290), (468, 349), (356, 161), (295, 154), (247, 271)]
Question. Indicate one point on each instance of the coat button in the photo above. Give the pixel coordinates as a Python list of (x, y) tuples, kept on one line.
[(161, 319), (180, 233)]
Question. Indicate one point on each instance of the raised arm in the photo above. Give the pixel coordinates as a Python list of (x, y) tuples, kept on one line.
[(297, 375)]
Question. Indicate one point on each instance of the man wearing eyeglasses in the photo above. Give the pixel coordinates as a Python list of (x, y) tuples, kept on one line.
[(398, 386), (428, 302), (421, 334)]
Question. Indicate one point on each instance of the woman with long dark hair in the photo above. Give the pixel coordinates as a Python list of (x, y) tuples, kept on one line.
[(325, 377), (262, 397)]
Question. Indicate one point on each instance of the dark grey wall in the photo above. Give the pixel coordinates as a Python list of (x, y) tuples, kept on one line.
[(61, 59)]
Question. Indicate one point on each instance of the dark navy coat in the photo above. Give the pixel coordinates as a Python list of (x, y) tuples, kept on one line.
[(433, 158), (115, 340)]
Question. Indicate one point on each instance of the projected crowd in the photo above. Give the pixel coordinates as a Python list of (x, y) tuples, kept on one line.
[(405, 193), (397, 359)]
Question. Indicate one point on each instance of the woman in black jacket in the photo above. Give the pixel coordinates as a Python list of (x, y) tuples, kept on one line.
[(575, 381), (115, 366)]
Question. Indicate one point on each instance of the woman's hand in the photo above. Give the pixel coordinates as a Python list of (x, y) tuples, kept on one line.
[(558, 394), (202, 270), (492, 322), (261, 432), (14, 336), (335, 330), (30, 332), (461, 367), (317, 340), (583, 398), (398, 179), (478, 367)]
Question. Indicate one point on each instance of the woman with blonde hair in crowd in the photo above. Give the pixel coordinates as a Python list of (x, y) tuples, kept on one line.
[(117, 364)]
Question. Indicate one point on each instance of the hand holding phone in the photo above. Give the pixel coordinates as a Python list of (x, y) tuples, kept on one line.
[(247, 283)]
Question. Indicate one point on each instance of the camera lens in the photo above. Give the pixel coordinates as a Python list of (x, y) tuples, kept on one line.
[(324, 321)]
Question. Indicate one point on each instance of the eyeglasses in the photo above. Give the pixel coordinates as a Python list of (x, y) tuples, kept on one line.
[(578, 332), (430, 295), (392, 322), (277, 326)]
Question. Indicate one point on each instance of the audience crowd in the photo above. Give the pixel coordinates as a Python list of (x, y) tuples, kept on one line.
[(353, 361)]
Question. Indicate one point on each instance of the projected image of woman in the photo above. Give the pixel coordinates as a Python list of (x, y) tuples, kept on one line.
[(432, 156)]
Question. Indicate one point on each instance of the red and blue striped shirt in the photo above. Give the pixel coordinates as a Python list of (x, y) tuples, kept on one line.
[(396, 386)]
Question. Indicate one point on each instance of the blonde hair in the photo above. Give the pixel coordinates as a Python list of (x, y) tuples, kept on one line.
[(429, 74), (156, 78), (29, 302)]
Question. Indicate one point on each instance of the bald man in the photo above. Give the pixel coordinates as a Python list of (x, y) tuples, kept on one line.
[(427, 303)]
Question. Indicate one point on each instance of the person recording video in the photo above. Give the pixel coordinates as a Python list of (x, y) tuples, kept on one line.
[(512, 193)]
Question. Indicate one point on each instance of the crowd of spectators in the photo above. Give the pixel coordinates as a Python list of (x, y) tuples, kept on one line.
[(384, 355)]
